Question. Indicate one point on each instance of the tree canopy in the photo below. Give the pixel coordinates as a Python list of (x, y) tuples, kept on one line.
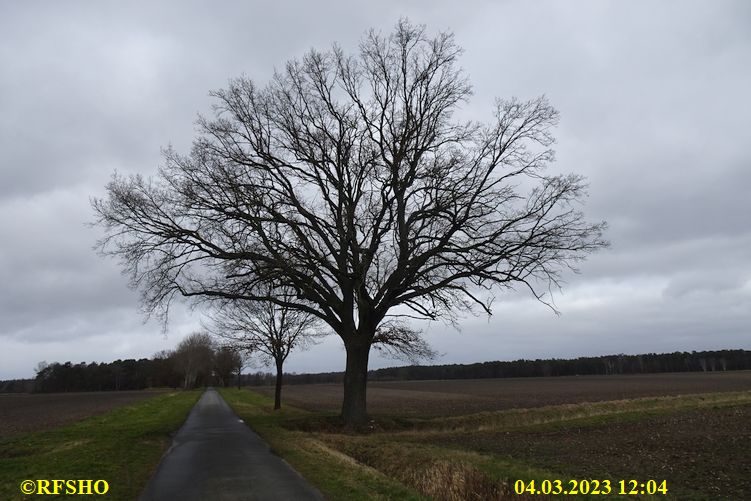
[(348, 180)]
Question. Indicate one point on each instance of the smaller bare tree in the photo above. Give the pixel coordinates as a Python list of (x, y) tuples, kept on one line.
[(266, 332), (243, 360)]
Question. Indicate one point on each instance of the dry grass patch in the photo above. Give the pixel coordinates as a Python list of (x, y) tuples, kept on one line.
[(439, 473), (516, 418)]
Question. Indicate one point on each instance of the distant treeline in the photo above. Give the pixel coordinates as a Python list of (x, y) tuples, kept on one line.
[(695, 361), (118, 375), (127, 374), (17, 386), (163, 371), (196, 362)]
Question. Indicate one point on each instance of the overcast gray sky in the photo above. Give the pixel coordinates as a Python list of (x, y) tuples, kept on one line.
[(654, 111)]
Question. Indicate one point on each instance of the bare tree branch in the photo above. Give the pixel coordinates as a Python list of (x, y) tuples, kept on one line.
[(397, 340)]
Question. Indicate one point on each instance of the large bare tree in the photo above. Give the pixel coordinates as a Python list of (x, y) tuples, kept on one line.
[(349, 180)]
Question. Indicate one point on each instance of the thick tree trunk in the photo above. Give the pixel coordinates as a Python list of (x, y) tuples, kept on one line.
[(354, 410), (239, 376), (278, 389)]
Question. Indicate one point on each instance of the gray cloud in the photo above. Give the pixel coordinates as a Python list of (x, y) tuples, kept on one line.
[(653, 110)]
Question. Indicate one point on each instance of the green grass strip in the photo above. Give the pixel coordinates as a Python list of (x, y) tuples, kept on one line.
[(122, 446)]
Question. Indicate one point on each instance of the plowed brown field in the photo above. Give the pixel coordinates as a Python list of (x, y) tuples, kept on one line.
[(465, 396), (21, 413)]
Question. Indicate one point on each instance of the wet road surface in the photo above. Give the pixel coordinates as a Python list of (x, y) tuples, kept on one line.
[(216, 456)]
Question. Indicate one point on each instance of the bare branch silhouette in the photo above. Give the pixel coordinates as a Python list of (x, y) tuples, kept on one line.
[(347, 180)]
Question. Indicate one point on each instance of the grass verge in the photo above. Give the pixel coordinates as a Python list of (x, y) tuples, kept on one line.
[(346, 466), (337, 475), (122, 446)]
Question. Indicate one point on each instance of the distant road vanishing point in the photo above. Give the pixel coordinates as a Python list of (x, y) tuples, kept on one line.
[(216, 456)]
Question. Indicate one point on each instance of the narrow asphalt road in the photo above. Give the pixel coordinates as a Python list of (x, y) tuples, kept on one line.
[(216, 456)]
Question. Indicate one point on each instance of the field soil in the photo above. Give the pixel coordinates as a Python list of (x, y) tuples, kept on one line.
[(463, 440), (701, 451), (465, 396), (23, 413)]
